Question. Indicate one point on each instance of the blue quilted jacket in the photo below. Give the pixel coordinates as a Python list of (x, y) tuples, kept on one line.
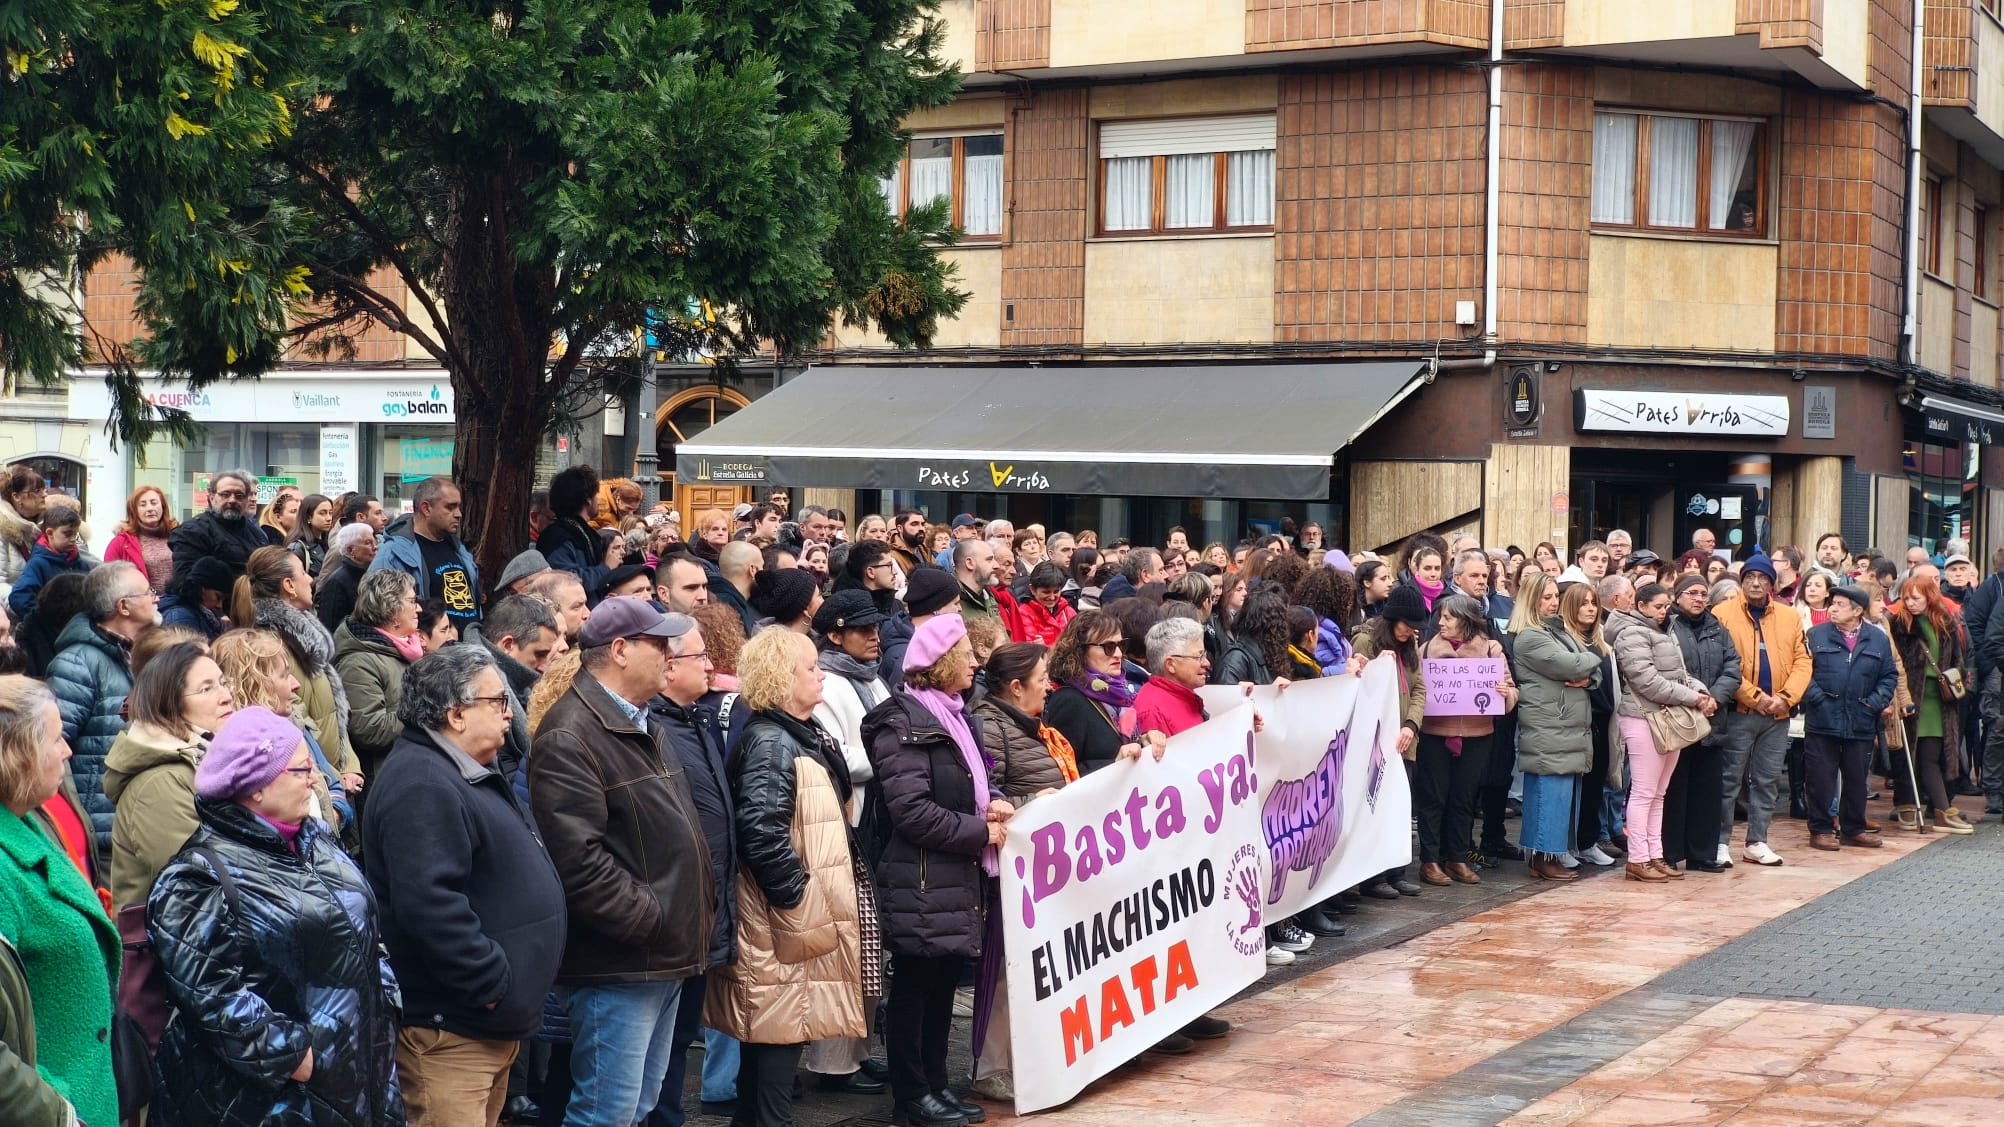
[(91, 675)]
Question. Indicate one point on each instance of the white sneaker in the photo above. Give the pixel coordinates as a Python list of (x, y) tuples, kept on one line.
[(1595, 856), (998, 1086), (1760, 854), (1725, 856), (1288, 937), (1276, 957), (1569, 861)]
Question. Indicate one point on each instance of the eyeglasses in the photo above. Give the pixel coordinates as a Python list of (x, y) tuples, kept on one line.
[(207, 688), (300, 772), (881, 563), (500, 702), (1110, 648), (1193, 657), (700, 655), (230, 495)]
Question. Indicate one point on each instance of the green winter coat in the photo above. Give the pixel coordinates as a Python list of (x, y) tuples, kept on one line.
[(1554, 722), (150, 778), (26, 1098), (373, 672), (68, 955)]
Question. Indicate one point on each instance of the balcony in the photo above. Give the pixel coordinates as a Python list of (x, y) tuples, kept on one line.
[(1963, 37), (1823, 41)]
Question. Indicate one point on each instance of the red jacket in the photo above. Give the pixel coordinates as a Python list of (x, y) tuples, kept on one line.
[(1035, 624), (1164, 706)]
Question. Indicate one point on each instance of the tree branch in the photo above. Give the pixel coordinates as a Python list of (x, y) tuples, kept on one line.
[(447, 352), (388, 312)]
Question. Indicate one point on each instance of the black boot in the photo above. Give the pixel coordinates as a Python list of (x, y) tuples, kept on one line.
[(927, 1111), (968, 1108)]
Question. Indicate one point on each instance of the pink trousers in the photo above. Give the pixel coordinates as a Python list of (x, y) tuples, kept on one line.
[(1648, 779)]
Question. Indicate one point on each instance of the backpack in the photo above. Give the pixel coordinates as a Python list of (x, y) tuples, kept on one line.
[(141, 1010)]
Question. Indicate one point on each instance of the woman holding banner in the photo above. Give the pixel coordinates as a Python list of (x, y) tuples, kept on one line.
[(1395, 630), (1453, 751), (1558, 665), (1089, 703)]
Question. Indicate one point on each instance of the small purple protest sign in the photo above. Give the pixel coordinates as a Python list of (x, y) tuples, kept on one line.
[(1464, 686)]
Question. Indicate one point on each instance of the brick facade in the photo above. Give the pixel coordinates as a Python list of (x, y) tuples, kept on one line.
[(1781, 23), (1043, 255), (1290, 25), (1378, 206), (1531, 24), (1012, 35), (1543, 230)]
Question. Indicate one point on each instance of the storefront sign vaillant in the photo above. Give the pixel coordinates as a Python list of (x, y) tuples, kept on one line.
[(1680, 413), (288, 397)]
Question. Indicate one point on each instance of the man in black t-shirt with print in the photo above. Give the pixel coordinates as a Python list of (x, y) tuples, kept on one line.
[(428, 550)]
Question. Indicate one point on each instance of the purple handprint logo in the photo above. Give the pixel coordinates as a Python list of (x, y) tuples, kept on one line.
[(1242, 883)]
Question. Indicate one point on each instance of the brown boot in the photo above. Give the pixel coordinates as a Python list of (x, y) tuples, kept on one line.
[(1909, 817), (1641, 871), (1825, 842), (1547, 868), (1662, 866), (1864, 840), (1431, 874), (1461, 872)]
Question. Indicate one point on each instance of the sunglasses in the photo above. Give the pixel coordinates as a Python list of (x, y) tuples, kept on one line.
[(1110, 649)]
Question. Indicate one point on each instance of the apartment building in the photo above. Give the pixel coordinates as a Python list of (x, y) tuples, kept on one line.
[(1666, 283)]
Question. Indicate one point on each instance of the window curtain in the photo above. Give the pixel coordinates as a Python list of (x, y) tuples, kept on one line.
[(1614, 168), (1130, 195), (1732, 147), (932, 178), (888, 185), (1192, 201), (1673, 172), (982, 210), (1249, 189)]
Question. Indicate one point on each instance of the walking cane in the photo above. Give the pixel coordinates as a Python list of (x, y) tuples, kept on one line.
[(1906, 753)]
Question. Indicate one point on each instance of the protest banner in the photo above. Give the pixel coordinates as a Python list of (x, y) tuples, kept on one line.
[(1464, 686), (1136, 899)]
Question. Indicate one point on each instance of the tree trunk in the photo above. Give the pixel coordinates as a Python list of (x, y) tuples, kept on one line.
[(500, 310)]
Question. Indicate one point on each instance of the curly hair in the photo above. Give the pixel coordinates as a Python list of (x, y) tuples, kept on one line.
[(1263, 622), (253, 659), (1068, 656), (948, 672), (723, 635), (555, 682), (765, 668), (1331, 594), (1285, 570)]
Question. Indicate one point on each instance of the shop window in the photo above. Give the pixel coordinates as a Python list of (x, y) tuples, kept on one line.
[(1187, 176), (964, 170), (1670, 172), (1942, 491)]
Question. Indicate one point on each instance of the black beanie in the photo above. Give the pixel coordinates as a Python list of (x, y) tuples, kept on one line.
[(927, 589), (1405, 605), (783, 595)]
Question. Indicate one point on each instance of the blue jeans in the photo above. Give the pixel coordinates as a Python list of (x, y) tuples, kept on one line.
[(621, 1039), (720, 1067)]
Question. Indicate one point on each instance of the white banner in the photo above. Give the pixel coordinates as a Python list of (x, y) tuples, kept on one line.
[(1136, 899)]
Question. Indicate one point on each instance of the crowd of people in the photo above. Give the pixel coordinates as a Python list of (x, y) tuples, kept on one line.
[(305, 821)]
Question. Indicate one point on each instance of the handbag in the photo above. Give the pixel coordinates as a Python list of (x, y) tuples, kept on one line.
[(1677, 726), (1953, 687)]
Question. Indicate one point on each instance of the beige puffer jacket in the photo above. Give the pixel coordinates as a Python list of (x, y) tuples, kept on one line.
[(798, 973)]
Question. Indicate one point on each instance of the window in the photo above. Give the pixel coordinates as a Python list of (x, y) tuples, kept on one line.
[(966, 171), (1931, 226), (1186, 176), (1670, 172)]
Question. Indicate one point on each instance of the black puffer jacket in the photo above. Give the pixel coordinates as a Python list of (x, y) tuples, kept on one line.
[(1710, 656), (762, 784), (930, 884), (300, 966)]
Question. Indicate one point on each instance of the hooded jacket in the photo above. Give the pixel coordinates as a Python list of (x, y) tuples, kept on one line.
[(297, 964), (372, 673), (798, 975), (322, 695), (929, 880), (150, 779), (91, 675), (231, 541), (400, 550), (472, 911), (1710, 657), (1781, 635), (1651, 666), (43, 565), (613, 803)]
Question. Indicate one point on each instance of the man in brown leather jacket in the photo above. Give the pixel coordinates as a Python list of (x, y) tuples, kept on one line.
[(617, 815)]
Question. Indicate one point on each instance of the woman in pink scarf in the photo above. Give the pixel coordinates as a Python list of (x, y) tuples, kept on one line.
[(937, 874), (372, 650)]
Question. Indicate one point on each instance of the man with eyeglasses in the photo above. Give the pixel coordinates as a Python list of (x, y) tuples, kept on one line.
[(227, 532), (472, 909), (92, 673), (614, 802)]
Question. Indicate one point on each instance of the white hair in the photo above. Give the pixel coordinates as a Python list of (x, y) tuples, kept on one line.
[(349, 535)]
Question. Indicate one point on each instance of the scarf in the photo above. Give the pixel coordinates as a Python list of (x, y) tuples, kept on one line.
[(946, 708), (1061, 751), (1429, 591), (1108, 693), (310, 644), (1303, 659), (869, 688), (410, 647)]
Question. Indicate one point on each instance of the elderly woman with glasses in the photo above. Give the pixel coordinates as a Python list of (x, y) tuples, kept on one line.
[(266, 933), (371, 650)]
